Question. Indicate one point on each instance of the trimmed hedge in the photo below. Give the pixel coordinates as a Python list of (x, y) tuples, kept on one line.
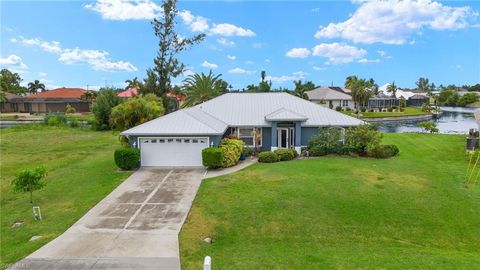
[(382, 151), (285, 154), (268, 157), (212, 157), (232, 149), (127, 158)]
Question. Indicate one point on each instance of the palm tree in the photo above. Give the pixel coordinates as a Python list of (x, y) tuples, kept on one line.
[(360, 92), (350, 81), (35, 85), (133, 83), (200, 87), (392, 88), (88, 96), (300, 90)]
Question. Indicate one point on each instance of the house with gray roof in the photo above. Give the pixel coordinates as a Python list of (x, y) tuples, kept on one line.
[(331, 97), (266, 121)]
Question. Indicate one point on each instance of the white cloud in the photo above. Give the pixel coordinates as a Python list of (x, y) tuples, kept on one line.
[(52, 46), (318, 68), (42, 74), (125, 9), (365, 61), (195, 23), (299, 75), (225, 42), (98, 60), (298, 53), (227, 30), (395, 21), (209, 65), (13, 61), (231, 57), (338, 53), (238, 70), (187, 72)]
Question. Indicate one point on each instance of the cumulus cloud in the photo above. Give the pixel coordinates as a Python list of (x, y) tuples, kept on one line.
[(318, 68), (298, 53), (238, 70), (195, 23), (225, 42), (231, 57), (227, 29), (98, 60), (337, 53), (365, 61), (209, 65), (298, 75), (395, 21), (13, 61), (125, 9)]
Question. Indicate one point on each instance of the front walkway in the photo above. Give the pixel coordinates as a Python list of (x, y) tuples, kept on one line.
[(134, 227)]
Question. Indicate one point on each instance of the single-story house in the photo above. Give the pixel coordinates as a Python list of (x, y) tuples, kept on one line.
[(128, 93), (331, 97), (56, 100), (266, 121), (382, 101), (12, 104), (417, 100)]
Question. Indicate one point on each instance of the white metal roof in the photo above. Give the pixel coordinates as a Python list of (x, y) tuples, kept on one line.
[(242, 109), (283, 114), (326, 93)]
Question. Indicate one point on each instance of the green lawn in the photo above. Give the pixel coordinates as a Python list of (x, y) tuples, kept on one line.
[(407, 212), (80, 170), (409, 111)]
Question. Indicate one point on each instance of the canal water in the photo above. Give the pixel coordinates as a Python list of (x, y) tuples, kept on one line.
[(454, 120)]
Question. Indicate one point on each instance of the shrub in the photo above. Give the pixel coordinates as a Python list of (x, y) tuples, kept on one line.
[(268, 157), (285, 154), (359, 137), (328, 137), (232, 149), (127, 158), (212, 157), (348, 109), (73, 123), (247, 151), (318, 151), (69, 109), (55, 120), (389, 109), (136, 111), (428, 126), (338, 108), (102, 107), (363, 109), (382, 151), (402, 109)]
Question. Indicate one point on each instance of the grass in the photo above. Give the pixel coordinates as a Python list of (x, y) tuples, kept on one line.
[(408, 212), (409, 111), (81, 172)]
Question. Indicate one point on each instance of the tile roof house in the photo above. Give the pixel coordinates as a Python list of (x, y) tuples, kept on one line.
[(331, 97), (56, 100), (266, 121), (130, 92)]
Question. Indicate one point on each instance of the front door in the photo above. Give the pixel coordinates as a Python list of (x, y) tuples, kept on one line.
[(285, 137)]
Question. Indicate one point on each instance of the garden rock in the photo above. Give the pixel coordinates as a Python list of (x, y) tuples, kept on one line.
[(208, 240), (17, 224), (35, 237)]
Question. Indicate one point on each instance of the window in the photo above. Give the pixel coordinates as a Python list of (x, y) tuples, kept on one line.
[(170, 140), (203, 141), (161, 141), (250, 136), (194, 141), (345, 103), (178, 140), (186, 141)]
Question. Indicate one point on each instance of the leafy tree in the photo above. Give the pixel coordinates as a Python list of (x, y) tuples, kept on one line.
[(392, 88), (133, 83), (167, 64), (468, 99), (263, 86), (88, 96), (222, 85), (3, 97), (475, 87), (199, 88), (423, 84), (34, 86), (301, 88), (428, 126), (136, 111), (29, 181), (350, 80), (448, 97), (102, 107), (10, 82)]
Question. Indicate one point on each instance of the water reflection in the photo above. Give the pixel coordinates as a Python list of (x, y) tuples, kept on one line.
[(454, 120)]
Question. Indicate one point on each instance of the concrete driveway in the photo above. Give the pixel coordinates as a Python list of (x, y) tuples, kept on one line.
[(134, 227)]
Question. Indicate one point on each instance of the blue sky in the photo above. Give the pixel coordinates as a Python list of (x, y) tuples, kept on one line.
[(75, 44)]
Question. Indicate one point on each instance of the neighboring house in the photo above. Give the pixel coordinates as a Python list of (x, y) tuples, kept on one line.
[(56, 100), (266, 121), (331, 97), (417, 100), (14, 103), (382, 101), (130, 92)]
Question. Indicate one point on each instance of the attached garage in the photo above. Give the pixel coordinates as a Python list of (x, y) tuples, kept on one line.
[(173, 151)]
